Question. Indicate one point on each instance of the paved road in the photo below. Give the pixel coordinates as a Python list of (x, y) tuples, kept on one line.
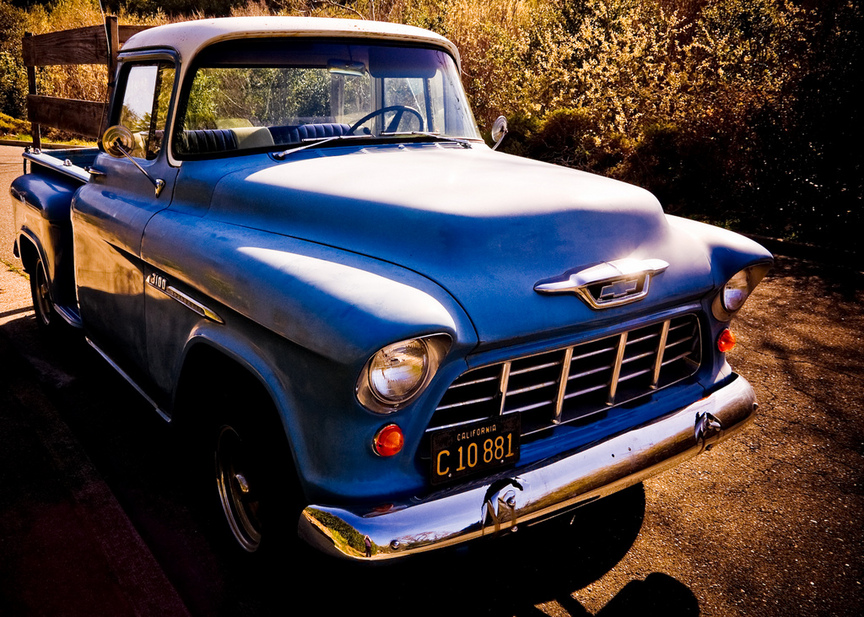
[(10, 168), (767, 524)]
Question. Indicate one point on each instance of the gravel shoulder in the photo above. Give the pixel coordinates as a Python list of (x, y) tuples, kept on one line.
[(770, 523)]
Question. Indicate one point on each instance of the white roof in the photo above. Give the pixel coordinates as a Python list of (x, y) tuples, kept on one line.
[(188, 37)]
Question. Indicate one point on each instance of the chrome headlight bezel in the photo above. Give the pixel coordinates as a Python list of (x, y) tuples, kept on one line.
[(737, 289), (412, 363)]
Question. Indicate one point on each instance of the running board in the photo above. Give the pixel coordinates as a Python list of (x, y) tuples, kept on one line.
[(131, 381), (69, 315)]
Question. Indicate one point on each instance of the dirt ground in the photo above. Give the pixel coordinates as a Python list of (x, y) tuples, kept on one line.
[(769, 523)]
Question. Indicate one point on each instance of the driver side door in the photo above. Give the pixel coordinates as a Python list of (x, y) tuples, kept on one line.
[(109, 215)]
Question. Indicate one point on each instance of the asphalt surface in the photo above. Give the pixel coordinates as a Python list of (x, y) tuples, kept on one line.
[(96, 518)]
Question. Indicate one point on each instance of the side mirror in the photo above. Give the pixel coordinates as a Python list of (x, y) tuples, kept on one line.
[(499, 130), (119, 142)]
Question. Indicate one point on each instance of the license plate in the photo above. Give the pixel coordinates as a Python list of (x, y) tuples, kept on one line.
[(474, 448)]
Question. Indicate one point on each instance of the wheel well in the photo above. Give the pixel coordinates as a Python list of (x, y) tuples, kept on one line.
[(211, 380), (28, 254), (214, 391), (209, 376)]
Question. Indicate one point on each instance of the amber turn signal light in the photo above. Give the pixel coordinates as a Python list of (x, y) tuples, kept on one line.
[(389, 440), (726, 341)]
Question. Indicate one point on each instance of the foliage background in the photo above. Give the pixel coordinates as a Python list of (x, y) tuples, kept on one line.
[(739, 112)]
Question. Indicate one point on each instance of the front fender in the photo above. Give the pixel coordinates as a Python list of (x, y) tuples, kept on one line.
[(334, 303), (727, 251), (304, 319)]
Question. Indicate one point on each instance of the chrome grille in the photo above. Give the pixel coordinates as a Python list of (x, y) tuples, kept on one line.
[(575, 383)]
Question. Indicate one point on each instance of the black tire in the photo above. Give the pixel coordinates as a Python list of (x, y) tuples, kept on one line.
[(240, 486), (236, 456), (43, 305), (257, 492)]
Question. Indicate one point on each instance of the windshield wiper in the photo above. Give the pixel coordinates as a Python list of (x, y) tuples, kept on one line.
[(313, 142), (436, 136)]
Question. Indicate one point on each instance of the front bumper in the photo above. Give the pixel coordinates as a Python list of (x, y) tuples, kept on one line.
[(539, 491)]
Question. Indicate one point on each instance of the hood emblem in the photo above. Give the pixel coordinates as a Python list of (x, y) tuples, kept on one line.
[(608, 284)]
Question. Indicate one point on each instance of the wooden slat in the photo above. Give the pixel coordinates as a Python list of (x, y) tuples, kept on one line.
[(81, 117), (77, 46), (126, 32), (35, 129)]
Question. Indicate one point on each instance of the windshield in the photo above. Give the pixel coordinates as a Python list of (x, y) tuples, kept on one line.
[(253, 95)]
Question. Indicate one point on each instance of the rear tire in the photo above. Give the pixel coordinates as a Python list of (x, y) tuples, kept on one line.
[(46, 317)]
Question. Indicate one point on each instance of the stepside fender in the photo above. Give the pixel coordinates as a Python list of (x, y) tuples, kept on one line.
[(42, 204)]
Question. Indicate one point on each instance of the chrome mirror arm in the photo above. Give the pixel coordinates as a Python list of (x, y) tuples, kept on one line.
[(118, 142)]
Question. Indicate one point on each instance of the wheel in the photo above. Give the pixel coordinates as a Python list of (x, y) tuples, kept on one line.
[(258, 494), (236, 457), (394, 123), (239, 482), (43, 306)]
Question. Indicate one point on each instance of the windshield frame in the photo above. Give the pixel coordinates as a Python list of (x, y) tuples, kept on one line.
[(277, 45)]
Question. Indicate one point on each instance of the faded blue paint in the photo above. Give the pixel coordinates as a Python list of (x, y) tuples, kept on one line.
[(315, 262)]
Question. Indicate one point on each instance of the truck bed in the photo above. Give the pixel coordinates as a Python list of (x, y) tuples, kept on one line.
[(41, 203)]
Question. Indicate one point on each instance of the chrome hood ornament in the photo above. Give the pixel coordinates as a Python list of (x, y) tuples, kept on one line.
[(608, 284)]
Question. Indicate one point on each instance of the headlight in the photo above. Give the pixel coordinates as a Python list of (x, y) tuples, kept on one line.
[(398, 370), (396, 374), (737, 289)]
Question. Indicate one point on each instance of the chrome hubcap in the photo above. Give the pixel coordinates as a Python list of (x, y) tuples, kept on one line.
[(236, 493)]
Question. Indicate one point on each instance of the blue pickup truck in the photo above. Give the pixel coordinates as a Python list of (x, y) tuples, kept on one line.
[(376, 332)]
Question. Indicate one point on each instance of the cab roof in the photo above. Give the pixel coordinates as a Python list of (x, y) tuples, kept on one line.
[(189, 37)]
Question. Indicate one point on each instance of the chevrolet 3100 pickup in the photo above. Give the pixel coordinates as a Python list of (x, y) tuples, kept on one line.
[(377, 333)]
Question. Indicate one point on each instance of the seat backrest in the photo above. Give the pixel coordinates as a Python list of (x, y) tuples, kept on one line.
[(296, 134), (252, 137), (204, 141)]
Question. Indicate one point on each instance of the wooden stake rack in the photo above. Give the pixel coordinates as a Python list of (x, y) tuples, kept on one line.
[(90, 45)]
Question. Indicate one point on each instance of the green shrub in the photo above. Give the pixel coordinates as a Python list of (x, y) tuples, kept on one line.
[(13, 126), (13, 76)]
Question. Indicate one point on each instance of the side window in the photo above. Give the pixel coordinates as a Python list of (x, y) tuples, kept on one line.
[(146, 96)]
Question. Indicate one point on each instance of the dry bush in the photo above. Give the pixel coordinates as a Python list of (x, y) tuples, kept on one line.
[(88, 81), (712, 104)]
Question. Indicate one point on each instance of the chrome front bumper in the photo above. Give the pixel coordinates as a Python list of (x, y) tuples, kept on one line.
[(534, 493)]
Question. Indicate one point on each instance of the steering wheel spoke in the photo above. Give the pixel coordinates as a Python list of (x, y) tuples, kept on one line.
[(393, 125)]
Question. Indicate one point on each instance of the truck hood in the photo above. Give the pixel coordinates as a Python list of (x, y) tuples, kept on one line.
[(484, 226)]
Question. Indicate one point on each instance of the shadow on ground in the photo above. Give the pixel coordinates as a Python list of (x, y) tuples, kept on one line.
[(139, 458), (510, 576)]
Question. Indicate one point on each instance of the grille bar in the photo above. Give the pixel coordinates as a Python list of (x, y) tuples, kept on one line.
[(574, 383), (562, 384), (661, 348), (616, 370), (502, 387)]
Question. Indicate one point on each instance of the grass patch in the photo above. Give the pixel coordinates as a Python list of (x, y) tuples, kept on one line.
[(16, 269), (13, 127)]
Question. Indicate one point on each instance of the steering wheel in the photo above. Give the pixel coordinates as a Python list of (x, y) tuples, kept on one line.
[(394, 123)]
